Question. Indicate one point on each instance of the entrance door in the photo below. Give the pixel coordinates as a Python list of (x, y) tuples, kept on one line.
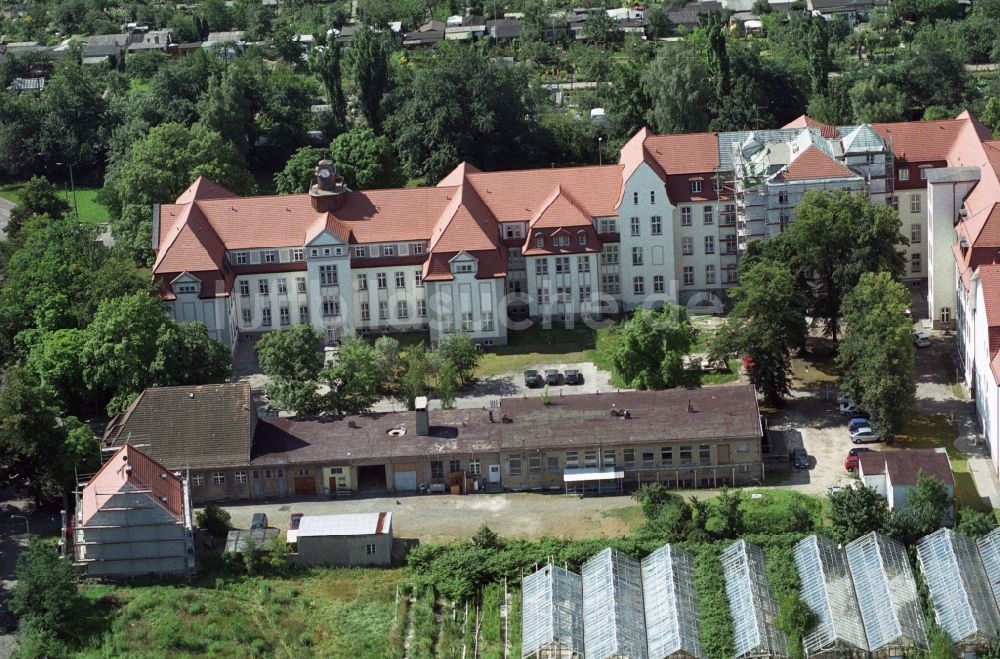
[(405, 481), (494, 473), (304, 485), (281, 487), (333, 484), (256, 488)]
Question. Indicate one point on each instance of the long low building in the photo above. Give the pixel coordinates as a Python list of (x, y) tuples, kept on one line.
[(706, 437)]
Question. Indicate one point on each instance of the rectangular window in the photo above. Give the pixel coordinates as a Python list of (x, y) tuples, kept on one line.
[(381, 279), (635, 198), (689, 275), (687, 245), (923, 173), (270, 256), (474, 468), (562, 265), (540, 240), (197, 480), (590, 458), (609, 458), (219, 477), (628, 457), (454, 465), (262, 287), (666, 456), (466, 322), (572, 460), (514, 464), (608, 225), (609, 256), (656, 225), (542, 296), (284, 317), (282, 287), (244, 288), (402, 310), (658, 284), (652, 196), (437, 469), (915, 263), (583, 264), (904, 173), (708, 217), (360, 251), (366, 311), (400, 279), (388, 250), (914, 233), (914, 203), (331, 306), (783, 198), (717, 184), (685, 455), (303, 314), (361, 282), (421, 308), (370, 549), (894, 202), (564, 295), (541, 266), (611, 284), (247, 316), (417, 248), (328, 275), (534, 464), (945, 314), (300, 284), (638, 286), (704, 454), (647, 458), (685, 216), (582, 237), (709, 274), (241, 477), (265, 317), (418, 279), (696, 186), (383, 310), (636, 256), (709, 244), (584, 294), (486, 321), (634, 226), (242, 258), (552, 464)]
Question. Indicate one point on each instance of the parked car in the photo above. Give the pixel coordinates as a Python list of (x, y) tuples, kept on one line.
[(572, 376), (858, 421), (863, 434), (800, 459), (853, 458), (848, 407), (551, 376), (921, 340), (258, 521), (532, 379), (293, 523)]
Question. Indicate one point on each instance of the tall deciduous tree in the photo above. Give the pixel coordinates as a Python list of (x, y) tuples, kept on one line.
[(855, 511), (46, 595), (37, 197), (678, 87), (649, 349), (293, 359), (767, 321), (877, 352), (300, 171), (927, 509), (835, 237), (325, 63), (366, 161), (353, 378), (370, 52), (186, 354)]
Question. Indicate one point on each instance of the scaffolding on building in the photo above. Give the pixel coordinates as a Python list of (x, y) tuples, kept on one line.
[(887, 594), (552, 614), (669, 604), (959, 589), (613, 619), (828, 591), (751, 605)]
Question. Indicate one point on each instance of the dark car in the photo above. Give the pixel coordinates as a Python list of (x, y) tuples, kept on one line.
[(258, 521), (551, 376), (532, 379), (572, 376), (800, 458), (857, 422)]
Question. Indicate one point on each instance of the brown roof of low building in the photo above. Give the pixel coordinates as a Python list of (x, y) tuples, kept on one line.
[(903, 466), (811, 165), (728, 412), (193, 426)]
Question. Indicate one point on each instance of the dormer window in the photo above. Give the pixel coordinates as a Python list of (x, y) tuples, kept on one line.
[(582, 237), (185, 288), (242, 258), (270, 256), (388, 250), (904, 173), (695, 186), (297, 254), (463, 267), (360, 251), (539, 240), (327, 251)]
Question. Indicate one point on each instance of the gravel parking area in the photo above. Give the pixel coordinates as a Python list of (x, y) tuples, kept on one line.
[(441, 517)]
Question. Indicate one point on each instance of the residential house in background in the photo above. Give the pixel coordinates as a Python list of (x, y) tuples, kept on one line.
[(133, 518)]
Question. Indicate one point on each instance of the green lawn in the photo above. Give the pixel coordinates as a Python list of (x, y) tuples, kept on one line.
[(536, 345), (91, 211), (934, 431), (329, 613)]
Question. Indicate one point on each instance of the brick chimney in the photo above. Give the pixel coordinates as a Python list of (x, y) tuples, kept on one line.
[(423, 420)]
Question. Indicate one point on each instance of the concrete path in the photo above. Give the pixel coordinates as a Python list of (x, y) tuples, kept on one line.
[(6, 206)]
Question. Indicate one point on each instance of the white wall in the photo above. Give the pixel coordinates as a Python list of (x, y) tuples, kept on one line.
[(658, 252)]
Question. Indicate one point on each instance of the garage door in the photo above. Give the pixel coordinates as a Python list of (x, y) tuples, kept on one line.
[(406, 481), (304, 485)]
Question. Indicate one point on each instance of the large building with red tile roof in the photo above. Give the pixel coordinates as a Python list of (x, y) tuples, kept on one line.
[(666, 223)]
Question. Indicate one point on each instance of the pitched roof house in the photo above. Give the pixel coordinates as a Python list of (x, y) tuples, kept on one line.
[(894, 473)]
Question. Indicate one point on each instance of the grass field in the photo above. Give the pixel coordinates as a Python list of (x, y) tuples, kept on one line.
[(325, 613), (91, 211), (536, 345)]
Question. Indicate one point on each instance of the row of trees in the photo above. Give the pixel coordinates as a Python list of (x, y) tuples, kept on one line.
[(360, 373)]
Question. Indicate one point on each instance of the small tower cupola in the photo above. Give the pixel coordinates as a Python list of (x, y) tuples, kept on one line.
[(328, 190)]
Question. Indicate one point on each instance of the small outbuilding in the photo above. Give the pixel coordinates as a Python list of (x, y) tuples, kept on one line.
[(345, 540)]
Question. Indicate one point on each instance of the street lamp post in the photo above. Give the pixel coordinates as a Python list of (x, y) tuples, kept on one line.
[(600, 151), (72, 185)]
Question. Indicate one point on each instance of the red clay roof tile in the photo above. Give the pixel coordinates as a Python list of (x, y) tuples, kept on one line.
[(813, 164)]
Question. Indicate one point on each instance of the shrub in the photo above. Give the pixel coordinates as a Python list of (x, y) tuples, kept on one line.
[(45, 598), (214, 519)]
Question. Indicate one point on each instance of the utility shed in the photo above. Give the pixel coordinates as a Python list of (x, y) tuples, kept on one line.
[(552, 614), (829, 593), (613, 624), (959, 589), (669, 602), (133, 518), (355, 539), (751, 604), (887, 595)]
